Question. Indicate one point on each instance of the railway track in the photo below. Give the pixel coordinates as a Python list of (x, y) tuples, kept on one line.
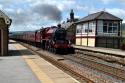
[(92, 64), (108, 62), (77, 65), (60, 64), (107, 57)]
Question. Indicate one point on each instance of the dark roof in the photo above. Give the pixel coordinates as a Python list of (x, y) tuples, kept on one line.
[(99, 16)]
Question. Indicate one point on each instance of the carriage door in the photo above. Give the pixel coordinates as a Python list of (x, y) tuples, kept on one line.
[(0, 41)]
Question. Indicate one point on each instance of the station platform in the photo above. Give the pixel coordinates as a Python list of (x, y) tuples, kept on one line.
[(116, 52), (23, 66)]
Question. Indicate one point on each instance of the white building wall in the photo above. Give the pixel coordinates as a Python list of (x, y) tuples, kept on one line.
[(84, 31)]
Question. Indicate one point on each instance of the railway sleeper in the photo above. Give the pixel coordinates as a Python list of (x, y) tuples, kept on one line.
[(108, 58)]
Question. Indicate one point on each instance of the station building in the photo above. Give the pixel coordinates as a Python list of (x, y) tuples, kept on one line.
[(100, 29), (5, 22)]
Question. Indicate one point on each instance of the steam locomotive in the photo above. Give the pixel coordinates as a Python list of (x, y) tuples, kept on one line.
[(52, 38)]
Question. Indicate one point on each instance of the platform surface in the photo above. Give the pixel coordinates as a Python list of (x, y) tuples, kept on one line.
[(26, 67), (103, 50), (14, 69)]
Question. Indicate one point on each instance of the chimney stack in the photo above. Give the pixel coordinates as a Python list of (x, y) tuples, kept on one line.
[(72, 15)]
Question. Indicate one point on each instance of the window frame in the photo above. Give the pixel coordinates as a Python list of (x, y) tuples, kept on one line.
[(110, 24)]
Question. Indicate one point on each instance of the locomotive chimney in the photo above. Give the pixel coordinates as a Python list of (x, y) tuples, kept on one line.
[(59, 25)]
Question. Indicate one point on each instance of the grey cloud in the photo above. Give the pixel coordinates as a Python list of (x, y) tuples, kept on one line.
[(47, 11), (122, 1), (34, 14), (19, 19)]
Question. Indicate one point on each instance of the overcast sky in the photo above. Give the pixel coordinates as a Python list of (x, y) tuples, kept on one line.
[(33, 14)]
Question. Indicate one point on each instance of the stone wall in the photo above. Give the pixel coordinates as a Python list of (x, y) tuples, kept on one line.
[(4, 37)]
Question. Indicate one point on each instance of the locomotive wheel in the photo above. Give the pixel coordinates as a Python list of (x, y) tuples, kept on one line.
[(54, 50), (50, 49), (46, 46), (71, 50)]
